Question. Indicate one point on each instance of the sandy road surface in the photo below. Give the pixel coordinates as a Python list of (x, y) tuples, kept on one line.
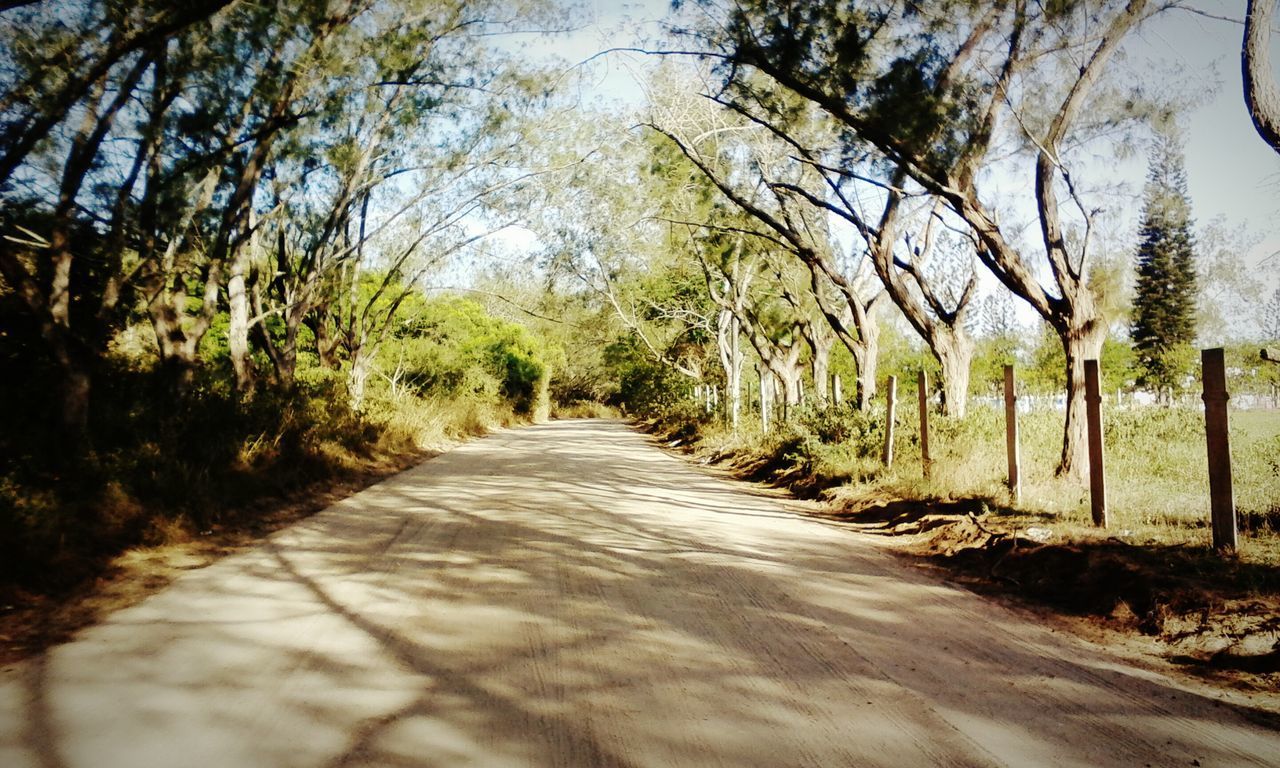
[(569, 595)]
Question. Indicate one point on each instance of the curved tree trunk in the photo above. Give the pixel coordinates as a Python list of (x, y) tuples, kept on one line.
[(1261, 93)]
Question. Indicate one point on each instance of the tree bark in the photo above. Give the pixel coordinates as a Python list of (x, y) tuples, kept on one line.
[(856, 327), (1261, 93), (865, 355), (954, 352), (1081, 342), (238, 324), (358, 379), (730, 353), (821, 364), (326, 343)]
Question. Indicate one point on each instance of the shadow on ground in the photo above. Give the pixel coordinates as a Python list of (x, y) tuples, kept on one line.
[(562, 595)]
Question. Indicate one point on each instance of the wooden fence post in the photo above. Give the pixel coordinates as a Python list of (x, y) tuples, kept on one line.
[(837, 396), (926, 461), (891, 401), (1097, 469), (1270, 355), (1011, 435), (1221, 502)]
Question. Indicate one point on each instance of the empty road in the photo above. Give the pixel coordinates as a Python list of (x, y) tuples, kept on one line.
[(569, 595)]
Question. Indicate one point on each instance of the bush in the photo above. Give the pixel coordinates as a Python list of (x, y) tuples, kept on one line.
[(452, 349)]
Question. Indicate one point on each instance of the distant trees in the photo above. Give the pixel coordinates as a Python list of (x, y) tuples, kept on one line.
[(1164, 304)]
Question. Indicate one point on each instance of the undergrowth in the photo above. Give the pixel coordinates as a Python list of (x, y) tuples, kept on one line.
[(1156, 462), (165, 468)]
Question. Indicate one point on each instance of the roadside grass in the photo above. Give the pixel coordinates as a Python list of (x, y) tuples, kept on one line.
[(583, 410), (1157, 467), (175, 485), (1152, 570), (167, 470)]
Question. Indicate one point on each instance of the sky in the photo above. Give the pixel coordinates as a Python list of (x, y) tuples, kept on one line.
[(1231, 171)]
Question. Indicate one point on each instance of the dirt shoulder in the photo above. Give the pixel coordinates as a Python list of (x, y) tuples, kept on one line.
[(30, 622), (1213, 618)]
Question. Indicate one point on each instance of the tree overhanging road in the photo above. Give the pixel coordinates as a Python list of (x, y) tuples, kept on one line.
[(569, 595)]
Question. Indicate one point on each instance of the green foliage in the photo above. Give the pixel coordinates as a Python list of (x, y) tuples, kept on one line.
[(450, 346), (860, 432), (990, 356), (644, 386), (1046, 373), (200, 457)]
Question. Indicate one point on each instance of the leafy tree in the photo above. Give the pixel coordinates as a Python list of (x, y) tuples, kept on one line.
[(60, 62), (1164, 302), (931, 92), (451, 346)]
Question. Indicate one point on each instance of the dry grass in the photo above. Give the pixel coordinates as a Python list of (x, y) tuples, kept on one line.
[(1151, 572), (1157, 473), (407, 431), (584, 410)]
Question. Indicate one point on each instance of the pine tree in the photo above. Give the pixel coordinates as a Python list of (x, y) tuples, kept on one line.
[(1163, 323)]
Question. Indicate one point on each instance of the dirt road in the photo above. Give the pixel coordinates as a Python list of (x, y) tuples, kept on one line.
[(568, 594)]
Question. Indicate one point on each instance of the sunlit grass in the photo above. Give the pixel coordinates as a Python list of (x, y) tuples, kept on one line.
[(1156, 461)]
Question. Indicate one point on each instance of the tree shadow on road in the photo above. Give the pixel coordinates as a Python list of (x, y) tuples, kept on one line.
[(560, 595)]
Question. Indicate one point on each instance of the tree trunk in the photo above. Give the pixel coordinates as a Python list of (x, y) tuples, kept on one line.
[(865, 352), (821, 365), (955, 354), (727, 345), (735, 392), (1260, 91), (238, 325), (791, 387), (177, 358), (1080, 343), (326, 344), (76, 386), (358, 378)]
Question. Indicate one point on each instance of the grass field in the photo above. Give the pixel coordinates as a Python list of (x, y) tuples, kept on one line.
[(1156, 460)]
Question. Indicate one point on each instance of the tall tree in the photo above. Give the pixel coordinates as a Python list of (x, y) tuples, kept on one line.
[(68, 76), (930, 91), (1164, 304)]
